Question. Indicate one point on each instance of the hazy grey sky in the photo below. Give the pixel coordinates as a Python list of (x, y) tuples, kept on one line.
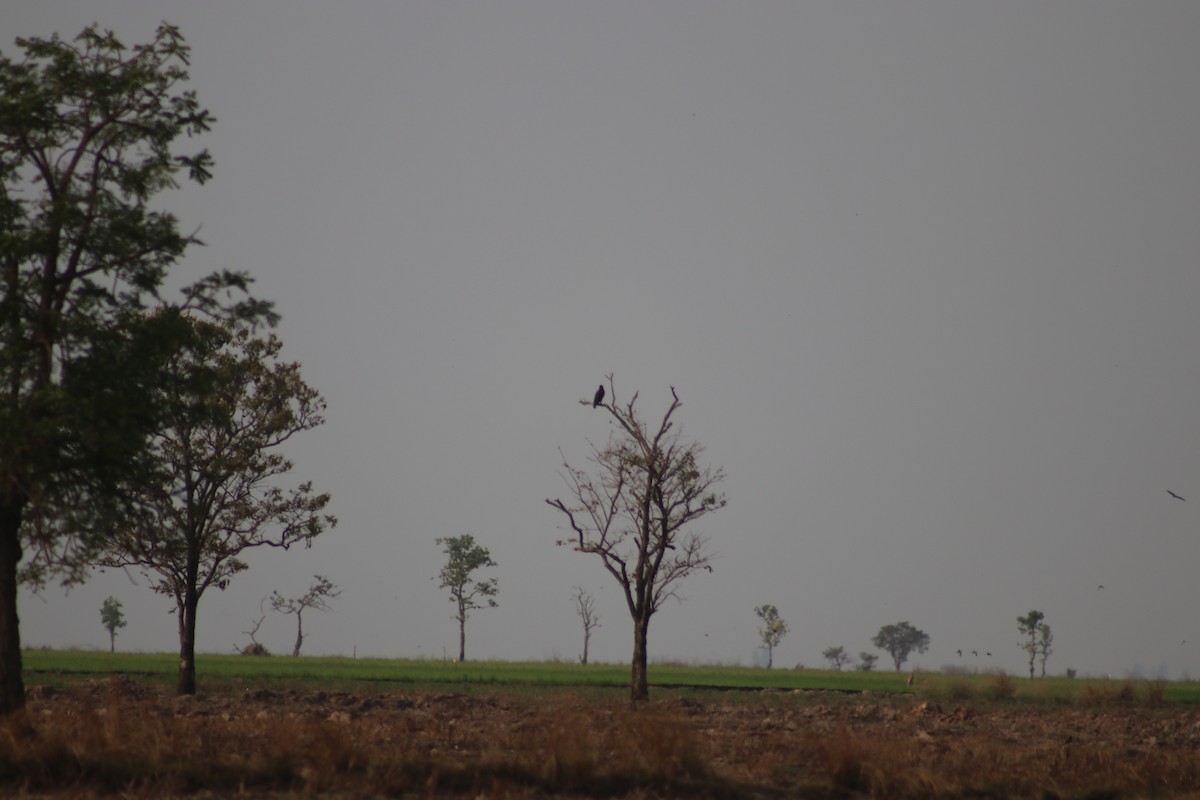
[(926, 276)]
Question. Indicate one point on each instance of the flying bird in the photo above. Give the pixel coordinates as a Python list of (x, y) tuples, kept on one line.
[(1177, 497), (1101, 586), (975, 653), (959, 653), (599, 396)]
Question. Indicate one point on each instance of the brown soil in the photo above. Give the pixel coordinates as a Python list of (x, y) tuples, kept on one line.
[(121, 738)]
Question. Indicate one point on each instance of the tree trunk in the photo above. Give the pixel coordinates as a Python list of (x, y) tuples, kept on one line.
[(12, 686), (462, 640), (187, 643), (112, 641), (770, 656), (586, 635), (639, 688), (299, 636)]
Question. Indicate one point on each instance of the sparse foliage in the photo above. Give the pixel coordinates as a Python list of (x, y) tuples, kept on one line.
[(463, 558), (866, 661), (585, 606), (646, 488), (216, 493), (87, 129), (900, 640), (113, 619), (837, 657), (772, 630), (317, 597)]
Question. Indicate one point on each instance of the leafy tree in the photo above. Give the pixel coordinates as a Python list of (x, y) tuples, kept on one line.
[(647, 488), (585, 606), (231, 404), (463, 558), (772, 631), (87, 130), (317, 597), (866, 661), (837, 657), (1033, 626), (113, 619), (899, 640)]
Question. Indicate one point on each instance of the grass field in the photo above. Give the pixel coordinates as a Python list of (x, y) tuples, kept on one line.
[(53, 667)]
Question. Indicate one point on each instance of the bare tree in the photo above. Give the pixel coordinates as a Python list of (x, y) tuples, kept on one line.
[(646, 486), (316, 597), (585, 606), (255, 648)]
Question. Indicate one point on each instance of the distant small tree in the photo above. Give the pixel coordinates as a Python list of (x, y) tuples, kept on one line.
[(463, 558), (837, 657), (866, 661), (1045, 639), (316, 597), (255, 648), (585, 606), (899, 640), (1030, 625), (772, 631), (113, 619)]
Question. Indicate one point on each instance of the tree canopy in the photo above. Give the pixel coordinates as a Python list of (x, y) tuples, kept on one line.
[(899, 640), (87, 140), (772, 630), (463, 558), (229, 406)]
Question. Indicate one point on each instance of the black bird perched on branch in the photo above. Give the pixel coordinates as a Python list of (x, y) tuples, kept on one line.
[(1177, 497), (599, 396)]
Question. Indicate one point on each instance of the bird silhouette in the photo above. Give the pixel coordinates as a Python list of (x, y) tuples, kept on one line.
[(1101, 586), (959, 653), (975, 653), (1177, 497), (599, 396)]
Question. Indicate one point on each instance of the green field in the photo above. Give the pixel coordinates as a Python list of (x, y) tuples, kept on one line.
[(55, 667)]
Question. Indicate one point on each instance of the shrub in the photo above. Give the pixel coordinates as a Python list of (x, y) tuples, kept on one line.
[(1002, 688)]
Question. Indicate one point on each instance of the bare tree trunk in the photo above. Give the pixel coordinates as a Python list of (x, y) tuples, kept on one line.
[(187, 643), (587, 634), (299, 636), (639, 688), (770, 656), (462, 640), (112, 641), (12, 686)]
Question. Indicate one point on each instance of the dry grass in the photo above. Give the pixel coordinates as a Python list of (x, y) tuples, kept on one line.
[(117, 738)]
